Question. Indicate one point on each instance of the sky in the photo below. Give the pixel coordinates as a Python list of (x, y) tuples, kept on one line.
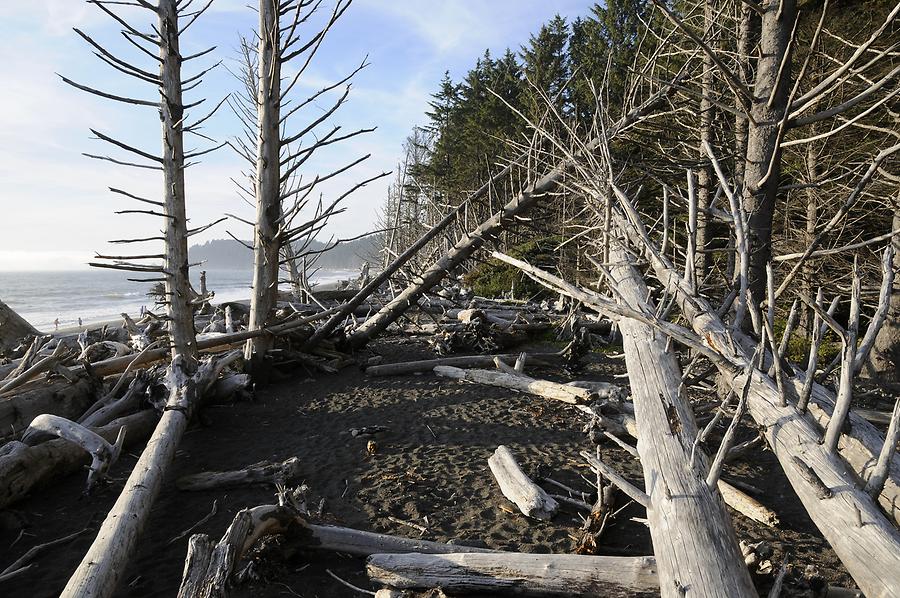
[(57, 211)]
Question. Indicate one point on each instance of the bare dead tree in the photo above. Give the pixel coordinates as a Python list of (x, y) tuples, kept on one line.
[(277, 149), (105, 562)]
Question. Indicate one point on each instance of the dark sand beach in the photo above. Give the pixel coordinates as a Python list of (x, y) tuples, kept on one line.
[(429, 468)]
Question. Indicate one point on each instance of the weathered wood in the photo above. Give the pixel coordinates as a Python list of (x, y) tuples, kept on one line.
[(472, 241), (694, 542), (43, 365), (65, 399), (267, 181), (870, 552), (521, 383), (518, 487), (519, 574), (747, 505), (33, 467), (208, 568), (264, 472), (466, 361), (13, 329), (103, 454)]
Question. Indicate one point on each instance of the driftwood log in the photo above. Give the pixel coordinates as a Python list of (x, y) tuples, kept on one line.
[(69, 400), (693, 540), (13, 329), (209, 566), (542, 388), (104, 563), (519, 574), (466, 361), (851, 521), (32, 467), (518, 487), (264, 472)]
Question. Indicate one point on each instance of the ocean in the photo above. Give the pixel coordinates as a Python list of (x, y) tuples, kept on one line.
[(97, 295)]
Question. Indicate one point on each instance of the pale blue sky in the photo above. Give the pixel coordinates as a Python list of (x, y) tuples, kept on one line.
[(55, 208)]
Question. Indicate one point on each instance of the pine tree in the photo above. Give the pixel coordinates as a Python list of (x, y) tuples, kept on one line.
[(546, 68)]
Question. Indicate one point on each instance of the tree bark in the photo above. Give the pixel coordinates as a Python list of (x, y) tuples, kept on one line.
[(762, 167), (884, 360), (266, 244), (13, 329), (519, 574), (693, 540)]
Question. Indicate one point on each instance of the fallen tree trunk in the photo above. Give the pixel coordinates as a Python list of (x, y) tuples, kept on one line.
[(693, 540), (859, 445), (518, 487), (474, 240), (105, 561), (264, 472), (519, 574), (467, 361), (209, 567), (33, 467), (851, 521), (69, 400), (13, 329), (542, 388)]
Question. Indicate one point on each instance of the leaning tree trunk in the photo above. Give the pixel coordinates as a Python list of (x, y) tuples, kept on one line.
[(106, 560), (762, 167), (268, 184), (13, 328), (488, 229), (849, 519), (884, 360), (693, 540)]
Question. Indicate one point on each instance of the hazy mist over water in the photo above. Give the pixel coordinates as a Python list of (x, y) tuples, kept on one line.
[(96, 295)]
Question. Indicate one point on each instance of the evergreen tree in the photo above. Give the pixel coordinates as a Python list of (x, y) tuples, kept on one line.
[(546, 68)]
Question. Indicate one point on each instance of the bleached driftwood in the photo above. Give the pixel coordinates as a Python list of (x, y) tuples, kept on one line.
[(871, 551), (101, 567), (693, 539), (467, 361), (208, 567), (29, 359), (745, 504), (65, 399), (519, 574), (264, 472), (521, 383), (518, 487), (103, 454), (118, 365), (41, 366), (111, 409), (32, 467)]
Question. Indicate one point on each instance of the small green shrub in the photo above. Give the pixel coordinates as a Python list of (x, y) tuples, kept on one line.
[(494, 278)]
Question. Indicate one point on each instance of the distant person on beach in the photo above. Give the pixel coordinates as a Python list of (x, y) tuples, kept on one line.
[(79, 322), (56, 323)]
